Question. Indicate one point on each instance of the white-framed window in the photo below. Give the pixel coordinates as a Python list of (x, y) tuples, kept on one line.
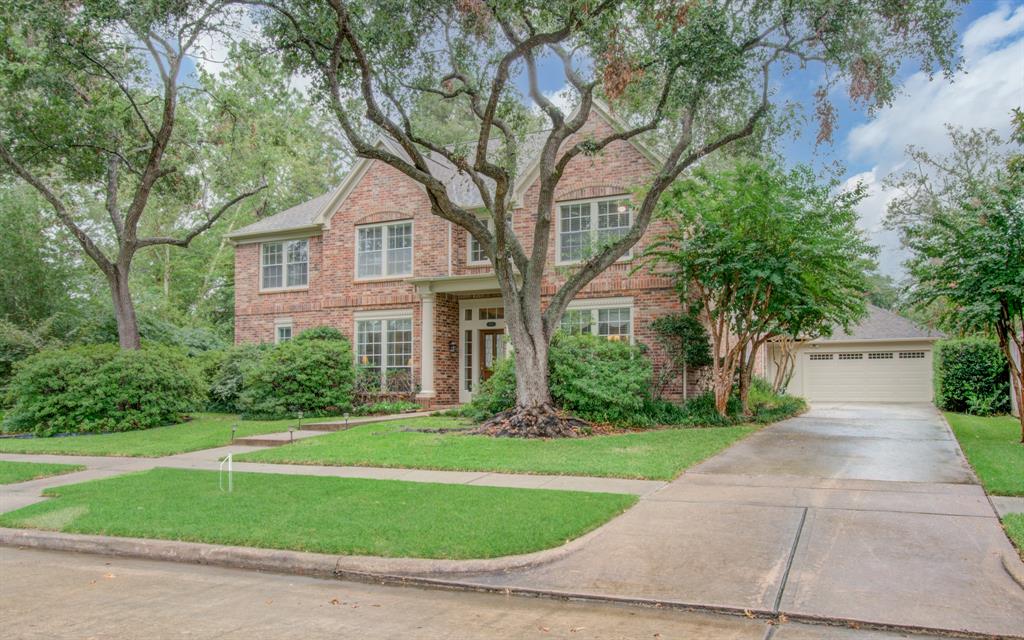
[(611, 319), (821, 356), (284, 264), (583, 227), (477, 254), (384, 352), (283, 331), (384, 250)]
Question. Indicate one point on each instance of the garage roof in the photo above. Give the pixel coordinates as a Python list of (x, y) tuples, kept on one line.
[(882, 324)]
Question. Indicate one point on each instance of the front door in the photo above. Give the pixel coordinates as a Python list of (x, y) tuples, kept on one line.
[(492, 347)]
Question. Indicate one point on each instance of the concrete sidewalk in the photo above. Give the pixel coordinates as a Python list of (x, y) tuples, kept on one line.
[(15, 496)]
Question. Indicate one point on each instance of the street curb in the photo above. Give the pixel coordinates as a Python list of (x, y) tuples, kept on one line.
[(436, 574), (280, 560)]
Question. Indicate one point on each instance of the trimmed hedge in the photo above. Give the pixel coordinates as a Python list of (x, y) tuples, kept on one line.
[(596, 379), (312, 376), (99, 388), (971, 376)]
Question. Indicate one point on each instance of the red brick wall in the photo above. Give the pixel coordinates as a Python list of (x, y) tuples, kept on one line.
[(385, 194)]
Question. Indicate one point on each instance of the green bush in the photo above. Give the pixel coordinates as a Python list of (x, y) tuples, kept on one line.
[(100, 388), (320, 333), (971, 377), (312, 376), (16, 344), (596, 379), (226, 375)]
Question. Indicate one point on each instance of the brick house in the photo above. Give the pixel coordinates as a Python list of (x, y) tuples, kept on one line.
[(415, 294)]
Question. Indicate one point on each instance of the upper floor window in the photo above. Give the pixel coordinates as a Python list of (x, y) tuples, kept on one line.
[(284, 264), (477, 251), (384, 250), (586, 226), (613, 323)]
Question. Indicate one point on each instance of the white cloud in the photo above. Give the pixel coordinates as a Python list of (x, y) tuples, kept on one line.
[(872, 213), (982, 95), (991, 28), (565, 99)]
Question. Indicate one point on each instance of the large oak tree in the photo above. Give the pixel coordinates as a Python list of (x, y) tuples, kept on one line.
[(97, 116), (697, 73)]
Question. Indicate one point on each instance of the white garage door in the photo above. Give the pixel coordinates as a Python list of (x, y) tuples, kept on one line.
[(902, 373)]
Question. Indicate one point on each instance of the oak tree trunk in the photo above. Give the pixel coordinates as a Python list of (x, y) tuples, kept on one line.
[(534, 414), (124, 309)]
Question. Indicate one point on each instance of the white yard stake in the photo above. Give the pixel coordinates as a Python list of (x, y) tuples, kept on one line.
[(220, 476)]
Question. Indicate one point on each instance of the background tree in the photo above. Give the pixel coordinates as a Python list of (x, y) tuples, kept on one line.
[(883, 291), (968, 249), (762, 252), (698, 72), (94, 117), (269, 134)]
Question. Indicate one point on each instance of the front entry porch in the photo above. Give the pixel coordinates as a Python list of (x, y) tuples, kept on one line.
[(462, 335)]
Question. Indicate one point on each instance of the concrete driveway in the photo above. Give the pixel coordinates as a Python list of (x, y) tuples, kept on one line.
[(856, 513)]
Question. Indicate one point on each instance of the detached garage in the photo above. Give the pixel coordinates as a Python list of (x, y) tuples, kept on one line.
[(886, 358)]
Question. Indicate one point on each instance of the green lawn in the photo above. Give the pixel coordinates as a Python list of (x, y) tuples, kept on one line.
[(323, 514), (11, 472), (992, 445), (1014, 524), (657, 454), (205, 431)]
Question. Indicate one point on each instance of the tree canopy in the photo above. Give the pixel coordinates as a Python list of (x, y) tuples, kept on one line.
[(696, 76), (763, 252)]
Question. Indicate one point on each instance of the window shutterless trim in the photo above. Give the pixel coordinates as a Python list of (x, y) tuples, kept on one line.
[(284, 266), (593, 230), (384, 275)]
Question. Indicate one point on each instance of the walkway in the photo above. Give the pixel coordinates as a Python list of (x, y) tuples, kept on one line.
[(854, 513), (19, 495)]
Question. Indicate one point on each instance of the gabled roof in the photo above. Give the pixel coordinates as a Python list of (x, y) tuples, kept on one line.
[(881, 324), (316, 213)]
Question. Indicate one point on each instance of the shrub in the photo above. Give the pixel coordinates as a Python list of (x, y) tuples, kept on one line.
[(596, 379), (98, 388), (320, 333), (971, 376), (312, 376), (226, 375), (16, 344)]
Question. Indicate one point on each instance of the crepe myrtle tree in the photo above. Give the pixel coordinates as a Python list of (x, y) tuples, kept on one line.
[(695, 74), (761, 252), (95, 117)]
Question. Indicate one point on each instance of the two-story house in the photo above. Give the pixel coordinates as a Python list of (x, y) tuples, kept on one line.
[(415, 294)]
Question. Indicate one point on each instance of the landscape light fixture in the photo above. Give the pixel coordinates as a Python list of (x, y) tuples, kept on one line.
[(234, 428)]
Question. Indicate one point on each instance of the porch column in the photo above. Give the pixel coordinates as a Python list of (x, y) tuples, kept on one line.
[(426, 346)]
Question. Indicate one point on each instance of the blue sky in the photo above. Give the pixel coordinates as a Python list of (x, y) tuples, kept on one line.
[(868, 149)]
